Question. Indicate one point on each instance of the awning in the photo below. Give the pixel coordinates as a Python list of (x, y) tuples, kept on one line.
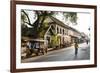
[(31, 39)]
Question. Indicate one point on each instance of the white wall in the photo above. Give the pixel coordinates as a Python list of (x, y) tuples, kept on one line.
[(5, 36)]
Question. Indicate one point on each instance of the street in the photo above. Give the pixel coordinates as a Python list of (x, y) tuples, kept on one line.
[(65, 54)]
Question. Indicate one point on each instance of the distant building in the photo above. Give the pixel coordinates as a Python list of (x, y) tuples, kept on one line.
[(84, 37)]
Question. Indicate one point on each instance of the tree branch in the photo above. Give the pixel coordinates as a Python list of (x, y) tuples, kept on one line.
[(27, 17)]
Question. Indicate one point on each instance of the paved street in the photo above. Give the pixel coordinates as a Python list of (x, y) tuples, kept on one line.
[(65, 54)]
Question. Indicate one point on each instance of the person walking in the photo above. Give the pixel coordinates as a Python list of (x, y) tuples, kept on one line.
[(76, 48), (87, 42)]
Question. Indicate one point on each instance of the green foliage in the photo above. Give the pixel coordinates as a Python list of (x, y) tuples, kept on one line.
[(23, 17), (41, 34), (45, 25), (72, 16), (43, 30), (54, 41)]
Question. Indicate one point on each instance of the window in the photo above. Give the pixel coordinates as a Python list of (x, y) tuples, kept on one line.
[(57, 30), (60, 30), (63, 32)]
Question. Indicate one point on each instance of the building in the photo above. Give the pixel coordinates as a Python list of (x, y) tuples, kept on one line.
[(57, 34), (65, 35)]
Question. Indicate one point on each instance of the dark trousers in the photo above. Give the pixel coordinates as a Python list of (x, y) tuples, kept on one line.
[(76, 51)]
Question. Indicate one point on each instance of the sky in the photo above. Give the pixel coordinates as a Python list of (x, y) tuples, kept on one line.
[(83, 22)]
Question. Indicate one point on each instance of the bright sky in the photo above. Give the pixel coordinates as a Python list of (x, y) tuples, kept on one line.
[(83, 22)]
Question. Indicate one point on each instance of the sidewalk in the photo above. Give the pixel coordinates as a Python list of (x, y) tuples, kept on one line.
[(50, 51)]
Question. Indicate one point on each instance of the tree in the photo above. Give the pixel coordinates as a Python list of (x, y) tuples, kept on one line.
[(38, 26), (72, 16)]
